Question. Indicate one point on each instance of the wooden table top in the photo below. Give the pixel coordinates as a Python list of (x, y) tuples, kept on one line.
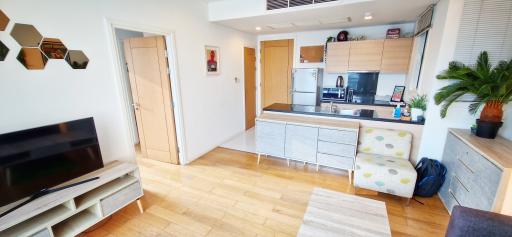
[(498, 151), (308, 120), (332, 213)]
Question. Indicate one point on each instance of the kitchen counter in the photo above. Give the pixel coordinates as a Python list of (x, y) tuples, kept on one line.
[(360, 114)]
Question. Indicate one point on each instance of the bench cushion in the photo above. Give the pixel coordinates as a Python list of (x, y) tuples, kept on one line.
[(385, 142), (385, 174)]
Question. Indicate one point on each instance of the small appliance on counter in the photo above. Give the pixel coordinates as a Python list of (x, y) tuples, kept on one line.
[(334, 94), (307, 84)]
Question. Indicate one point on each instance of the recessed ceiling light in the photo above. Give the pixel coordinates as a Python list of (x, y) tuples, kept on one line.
[(368, 16), (258, 28)]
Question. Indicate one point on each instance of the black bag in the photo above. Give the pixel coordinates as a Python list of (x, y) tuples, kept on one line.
[(431, 176)]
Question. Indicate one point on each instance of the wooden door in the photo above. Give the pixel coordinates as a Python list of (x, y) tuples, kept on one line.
[(151, 91), (365, 55), (276, 72), (396, 55), (250, 86)]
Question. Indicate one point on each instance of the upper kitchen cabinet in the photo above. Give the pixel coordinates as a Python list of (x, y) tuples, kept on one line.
[(365, 55), (396, 55), (337, 57)]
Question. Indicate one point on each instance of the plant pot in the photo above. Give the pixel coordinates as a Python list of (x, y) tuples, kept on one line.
[(416, 114), (486, 129)]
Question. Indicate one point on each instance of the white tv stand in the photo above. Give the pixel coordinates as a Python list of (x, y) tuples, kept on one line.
[(74, 210)]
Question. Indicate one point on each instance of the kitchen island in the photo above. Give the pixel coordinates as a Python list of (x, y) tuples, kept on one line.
[(322, 136)]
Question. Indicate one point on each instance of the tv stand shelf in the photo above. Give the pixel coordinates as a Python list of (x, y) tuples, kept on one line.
[(72, 211)]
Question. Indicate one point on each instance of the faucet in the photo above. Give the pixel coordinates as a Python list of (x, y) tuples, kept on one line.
[(332, 107)]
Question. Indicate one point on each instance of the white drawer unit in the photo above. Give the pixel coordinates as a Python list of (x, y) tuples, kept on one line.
[(337, 136), (324, 142), (476, 172)]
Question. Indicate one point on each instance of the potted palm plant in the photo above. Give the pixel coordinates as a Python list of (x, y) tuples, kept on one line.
[(418, 106), (491, 86)]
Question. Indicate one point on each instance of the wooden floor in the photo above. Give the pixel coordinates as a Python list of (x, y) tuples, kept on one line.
[(224, 193)]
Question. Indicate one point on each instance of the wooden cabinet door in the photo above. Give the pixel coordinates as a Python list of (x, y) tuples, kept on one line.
[(301, 143), (337, 57), (396, 55), (365, 55)]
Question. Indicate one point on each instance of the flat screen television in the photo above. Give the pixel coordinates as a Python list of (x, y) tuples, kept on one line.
[(39, 158)]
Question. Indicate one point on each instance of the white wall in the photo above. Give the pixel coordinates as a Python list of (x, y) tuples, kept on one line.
[(212, 106), (439, 52), (311, 38)]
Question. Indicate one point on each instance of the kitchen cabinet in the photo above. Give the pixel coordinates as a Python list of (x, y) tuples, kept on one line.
[(270, 137), (365, 55), (337, 57), (325, 142), (396, 55), (301, 143)]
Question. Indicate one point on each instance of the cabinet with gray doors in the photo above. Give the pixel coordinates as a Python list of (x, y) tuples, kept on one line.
[(323, 142), (478, 171)]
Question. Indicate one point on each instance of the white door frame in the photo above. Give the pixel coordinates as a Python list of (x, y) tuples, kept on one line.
[(173, 71)]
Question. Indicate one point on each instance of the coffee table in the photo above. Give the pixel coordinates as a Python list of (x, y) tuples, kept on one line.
[(332, 213)]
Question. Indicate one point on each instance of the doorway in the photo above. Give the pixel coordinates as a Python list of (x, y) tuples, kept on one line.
[(250, 87), (276, 72), (148, 94)]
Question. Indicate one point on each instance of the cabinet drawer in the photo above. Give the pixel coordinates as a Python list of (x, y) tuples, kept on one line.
[(460, 191), (338, 136), (43, 233), (340, 162), (121, 198), (336, 149), (270, 138)]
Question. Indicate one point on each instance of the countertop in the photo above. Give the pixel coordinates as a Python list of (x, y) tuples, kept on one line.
[(498, 150), (323, 122), (362, 114), (375, 103)]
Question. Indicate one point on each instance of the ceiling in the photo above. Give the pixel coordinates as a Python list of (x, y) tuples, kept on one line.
[(331, 16)]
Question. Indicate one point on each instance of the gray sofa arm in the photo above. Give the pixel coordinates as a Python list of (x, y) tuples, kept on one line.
[(468, 222)]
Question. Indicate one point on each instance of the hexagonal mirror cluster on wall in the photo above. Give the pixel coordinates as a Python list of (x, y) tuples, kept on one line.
[(77, 59), (32, 58), (26, 35), (4, 20), (3, 51), (53, 48)]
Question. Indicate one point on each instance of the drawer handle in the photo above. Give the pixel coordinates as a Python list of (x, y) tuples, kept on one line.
[(465, 165), (453, 196), (460, 182)]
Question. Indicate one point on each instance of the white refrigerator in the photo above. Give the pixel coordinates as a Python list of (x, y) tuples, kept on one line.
[(307, 86)]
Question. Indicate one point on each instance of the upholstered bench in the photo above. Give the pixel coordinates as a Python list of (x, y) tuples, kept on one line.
[(382, 162)]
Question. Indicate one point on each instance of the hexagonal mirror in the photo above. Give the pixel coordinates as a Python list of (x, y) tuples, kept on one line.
[(4, 20), (32, 58), (77, 59), (3, 51), (26, 35), (53, 48)]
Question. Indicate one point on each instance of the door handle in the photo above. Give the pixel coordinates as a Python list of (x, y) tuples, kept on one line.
[(136, 106)]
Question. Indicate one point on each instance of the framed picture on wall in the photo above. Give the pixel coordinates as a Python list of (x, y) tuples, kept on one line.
[(398, 94), (212, 58)]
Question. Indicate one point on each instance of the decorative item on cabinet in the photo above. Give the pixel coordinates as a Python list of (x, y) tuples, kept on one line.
[(498, 92), (393, 33), (418, 106), (342, 36), (398, 94)]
